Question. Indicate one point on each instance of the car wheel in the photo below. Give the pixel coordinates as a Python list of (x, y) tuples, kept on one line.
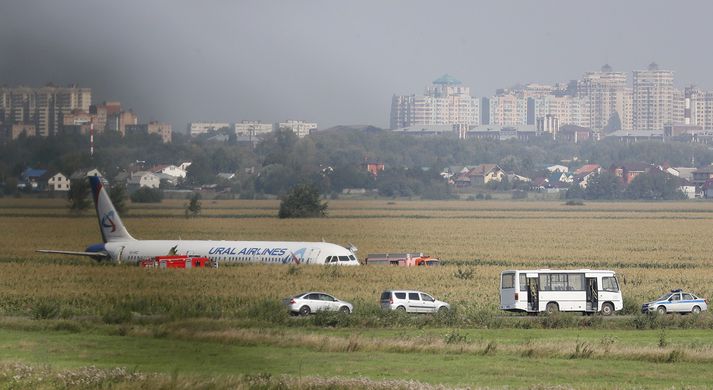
[(305, 310), (661, 310), (552, 308), (401, 309), (443, 310), (344, 310), (696, 310), (607, 309)]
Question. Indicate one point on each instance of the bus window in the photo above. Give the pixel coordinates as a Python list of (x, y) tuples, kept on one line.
[(610, 284), (508, 281), (523, 282), (562, 282)]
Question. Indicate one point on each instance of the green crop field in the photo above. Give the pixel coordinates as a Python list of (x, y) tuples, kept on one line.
[(225, 328)]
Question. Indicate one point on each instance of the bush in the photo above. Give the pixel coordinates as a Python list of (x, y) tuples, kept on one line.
[(45, 310), (147, 195), (519, 194), (302, 201)]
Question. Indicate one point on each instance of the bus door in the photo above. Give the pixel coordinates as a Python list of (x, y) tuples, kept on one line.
[(533, 293), (592, 294)]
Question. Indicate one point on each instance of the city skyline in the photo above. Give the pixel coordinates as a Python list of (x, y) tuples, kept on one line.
[(332, 63)]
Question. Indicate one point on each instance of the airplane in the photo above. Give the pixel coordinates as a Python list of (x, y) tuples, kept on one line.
[(119, 246)]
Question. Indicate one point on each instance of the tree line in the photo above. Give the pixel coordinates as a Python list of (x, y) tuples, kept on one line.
[(332, 160)]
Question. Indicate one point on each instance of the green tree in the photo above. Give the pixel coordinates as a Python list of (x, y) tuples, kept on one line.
[(193, 208), (302, 201), (604, 186), (613, 124), (575, 191), (118, 196), (654, 185), (78, 195), (147, 195)]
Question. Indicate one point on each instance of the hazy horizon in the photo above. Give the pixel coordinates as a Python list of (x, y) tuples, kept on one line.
[(332, 62)]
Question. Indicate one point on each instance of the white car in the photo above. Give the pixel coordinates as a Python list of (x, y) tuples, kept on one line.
[(312, 302), (676, 301), (412, 302)]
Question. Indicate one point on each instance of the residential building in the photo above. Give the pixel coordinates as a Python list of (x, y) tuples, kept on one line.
[(42, 107), (15, 130), (120, 120), (31, 179), (142, 179), (607, 94), (698, 107), (253, 128), (653, 98), (702, 175), (509, 109), (374, 167), (102, 112), (300, 128), (446, 102), (162, 129), (627, 172), (58, 182), (198, 128), (171, 170), (479, 175)]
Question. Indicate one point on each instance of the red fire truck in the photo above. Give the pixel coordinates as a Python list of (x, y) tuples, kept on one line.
[(177, 261), (401, 259)]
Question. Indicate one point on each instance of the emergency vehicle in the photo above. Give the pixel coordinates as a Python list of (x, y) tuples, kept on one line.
[(401, 259), (177, 261)]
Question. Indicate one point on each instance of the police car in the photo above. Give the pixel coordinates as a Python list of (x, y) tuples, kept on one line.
[(676, 301)]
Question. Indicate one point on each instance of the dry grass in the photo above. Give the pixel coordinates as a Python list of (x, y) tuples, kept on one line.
[(653, 247)]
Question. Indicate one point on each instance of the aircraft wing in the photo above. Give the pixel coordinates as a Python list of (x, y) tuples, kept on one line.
[(75, 253)]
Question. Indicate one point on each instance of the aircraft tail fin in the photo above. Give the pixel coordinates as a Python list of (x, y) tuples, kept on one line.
[(110, 225)]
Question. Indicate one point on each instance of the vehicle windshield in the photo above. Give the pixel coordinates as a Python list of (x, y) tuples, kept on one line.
[(663, 297)]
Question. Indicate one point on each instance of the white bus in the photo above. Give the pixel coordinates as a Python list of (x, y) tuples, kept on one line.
[(546, 290)]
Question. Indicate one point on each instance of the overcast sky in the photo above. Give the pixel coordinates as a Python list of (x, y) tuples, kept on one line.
[(333, 62)]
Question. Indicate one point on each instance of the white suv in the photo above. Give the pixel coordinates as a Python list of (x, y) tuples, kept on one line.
[(412, 302)]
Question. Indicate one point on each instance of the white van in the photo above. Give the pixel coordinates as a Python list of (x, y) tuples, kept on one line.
[(411, 301)]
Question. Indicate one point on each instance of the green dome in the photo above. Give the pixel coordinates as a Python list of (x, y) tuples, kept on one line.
[(447, 80)]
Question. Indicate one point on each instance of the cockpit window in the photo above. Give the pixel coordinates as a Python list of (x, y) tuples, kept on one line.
[(343, 258), (351, 257)]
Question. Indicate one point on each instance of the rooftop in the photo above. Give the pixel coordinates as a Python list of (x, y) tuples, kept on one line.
[(447, 79)]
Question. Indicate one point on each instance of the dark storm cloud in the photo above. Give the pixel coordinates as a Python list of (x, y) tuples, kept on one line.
[(332, 61)]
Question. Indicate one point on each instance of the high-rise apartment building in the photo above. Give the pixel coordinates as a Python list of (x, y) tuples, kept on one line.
[(509, 109), (42, 107), (446, 102), (197, 128), (653, 98), (252, 128), (300, 128), (698, 107), (607, 93), (569, 110)]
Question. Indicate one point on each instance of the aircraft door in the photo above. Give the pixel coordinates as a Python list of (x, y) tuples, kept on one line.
[(120, 258), (312, 255)]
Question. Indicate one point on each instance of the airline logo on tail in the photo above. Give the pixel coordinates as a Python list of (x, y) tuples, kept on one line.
[(107, 222)]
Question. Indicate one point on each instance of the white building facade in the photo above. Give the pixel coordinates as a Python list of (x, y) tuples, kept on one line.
[(198, 128), (300, 128), (446, 102), (653, 98)]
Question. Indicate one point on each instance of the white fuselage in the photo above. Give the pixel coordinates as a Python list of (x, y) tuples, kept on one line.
[(268, 252)]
